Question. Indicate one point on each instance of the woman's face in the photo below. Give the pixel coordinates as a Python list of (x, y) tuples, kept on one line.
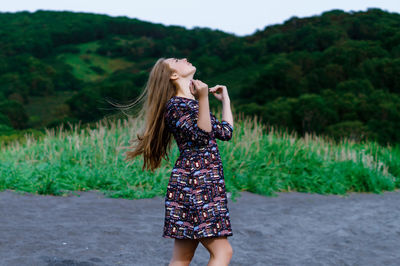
[(181, 66)]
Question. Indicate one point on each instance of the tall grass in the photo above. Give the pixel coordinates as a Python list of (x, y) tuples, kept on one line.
[(258, 159)]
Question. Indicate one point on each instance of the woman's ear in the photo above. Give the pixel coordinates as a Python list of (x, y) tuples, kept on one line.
[(174, 76)]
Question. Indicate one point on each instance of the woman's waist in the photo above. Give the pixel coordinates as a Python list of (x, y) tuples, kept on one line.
[(194, 149), (198, 150)]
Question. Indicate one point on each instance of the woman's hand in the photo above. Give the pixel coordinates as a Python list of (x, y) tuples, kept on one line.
[(198, 88), (220, 92)]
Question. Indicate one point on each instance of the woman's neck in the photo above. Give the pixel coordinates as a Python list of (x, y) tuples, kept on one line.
[(183, 88), (186, 96)]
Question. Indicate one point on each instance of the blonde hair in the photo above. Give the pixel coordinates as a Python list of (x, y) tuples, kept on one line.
[(155, 140)]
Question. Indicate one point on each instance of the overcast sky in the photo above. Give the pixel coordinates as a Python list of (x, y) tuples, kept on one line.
[(234, 16)]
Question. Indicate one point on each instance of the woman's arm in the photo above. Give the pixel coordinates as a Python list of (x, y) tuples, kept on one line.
[(200, 90), (226, 110), (221, 93), (204, 120)]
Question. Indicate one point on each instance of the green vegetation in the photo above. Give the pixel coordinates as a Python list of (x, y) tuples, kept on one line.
[(89, 66), (257, 159), (334, 74)]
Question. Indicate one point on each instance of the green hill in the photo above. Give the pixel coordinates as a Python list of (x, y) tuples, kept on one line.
[(331, 74)]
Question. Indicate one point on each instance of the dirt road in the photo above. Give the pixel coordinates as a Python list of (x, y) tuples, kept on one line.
[(291, 229)]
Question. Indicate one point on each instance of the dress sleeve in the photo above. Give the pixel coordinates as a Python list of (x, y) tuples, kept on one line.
[(184, 120), (222, 130)]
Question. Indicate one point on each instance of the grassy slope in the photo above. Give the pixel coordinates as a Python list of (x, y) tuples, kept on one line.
[(38, 107), (82, 62)]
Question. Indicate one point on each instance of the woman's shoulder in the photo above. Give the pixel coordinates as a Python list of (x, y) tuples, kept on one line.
[(180, 103)]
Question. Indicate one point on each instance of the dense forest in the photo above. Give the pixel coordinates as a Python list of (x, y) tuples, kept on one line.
[(334, 74)]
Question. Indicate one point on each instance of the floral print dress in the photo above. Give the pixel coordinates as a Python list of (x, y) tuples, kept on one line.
[(195, 202)]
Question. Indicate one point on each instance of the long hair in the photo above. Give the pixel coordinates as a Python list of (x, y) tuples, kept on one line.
[(154, 140)]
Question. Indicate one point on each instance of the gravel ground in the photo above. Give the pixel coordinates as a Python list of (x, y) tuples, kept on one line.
[(292, 229)]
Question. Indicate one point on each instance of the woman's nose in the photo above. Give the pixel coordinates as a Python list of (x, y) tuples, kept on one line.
[(185, 59)]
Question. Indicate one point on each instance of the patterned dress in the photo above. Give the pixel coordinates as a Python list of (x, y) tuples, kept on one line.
[(195, 202)]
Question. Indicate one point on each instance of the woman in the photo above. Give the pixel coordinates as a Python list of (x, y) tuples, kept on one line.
[(195, 203)]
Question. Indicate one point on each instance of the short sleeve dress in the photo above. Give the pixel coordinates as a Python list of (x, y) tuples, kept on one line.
[(195, 201)]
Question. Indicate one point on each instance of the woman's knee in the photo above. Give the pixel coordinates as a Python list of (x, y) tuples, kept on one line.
[(185, 256), (223, 252), (226, 252), (230, 251), (181, 259)]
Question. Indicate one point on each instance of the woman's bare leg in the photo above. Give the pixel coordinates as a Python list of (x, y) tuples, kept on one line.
[(219, 248), (183, 251)]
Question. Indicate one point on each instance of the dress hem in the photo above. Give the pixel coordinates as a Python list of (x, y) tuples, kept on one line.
[(183, 237)]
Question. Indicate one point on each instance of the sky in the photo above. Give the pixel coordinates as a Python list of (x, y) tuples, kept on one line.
[(232, 16)]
